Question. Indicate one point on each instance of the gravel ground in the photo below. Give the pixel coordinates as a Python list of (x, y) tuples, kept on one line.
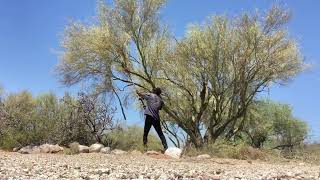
[(135, 166)]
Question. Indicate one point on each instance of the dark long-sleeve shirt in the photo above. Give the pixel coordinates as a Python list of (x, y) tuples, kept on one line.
[(154, 103)]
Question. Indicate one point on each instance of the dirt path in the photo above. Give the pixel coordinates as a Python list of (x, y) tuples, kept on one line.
[(134, 166)]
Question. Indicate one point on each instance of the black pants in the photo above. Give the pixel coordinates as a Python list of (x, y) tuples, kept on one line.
[(150, 121)]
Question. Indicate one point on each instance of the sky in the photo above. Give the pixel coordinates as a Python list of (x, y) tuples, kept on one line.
[(30, 32)]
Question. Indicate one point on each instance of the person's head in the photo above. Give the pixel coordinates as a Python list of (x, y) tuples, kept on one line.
[(157, 91)]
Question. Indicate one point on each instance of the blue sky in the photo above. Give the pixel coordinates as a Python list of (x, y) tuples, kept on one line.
[(30, 33)]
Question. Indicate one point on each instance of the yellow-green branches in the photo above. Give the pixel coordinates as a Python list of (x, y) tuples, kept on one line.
[(209, 77)]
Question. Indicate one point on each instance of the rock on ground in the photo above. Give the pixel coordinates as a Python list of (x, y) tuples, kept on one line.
[(118, 152), (204, 156), (173, 152), (83, 149), (128, 166), (152, 153), (49, 148), (45, 148), (106, 150), (26, 150), (95, 148)]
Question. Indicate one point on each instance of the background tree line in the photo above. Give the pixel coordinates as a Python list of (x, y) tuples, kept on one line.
[(28, 120)]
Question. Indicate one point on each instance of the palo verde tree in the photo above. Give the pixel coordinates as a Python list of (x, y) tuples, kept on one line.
[(222, 65), (209, 77)]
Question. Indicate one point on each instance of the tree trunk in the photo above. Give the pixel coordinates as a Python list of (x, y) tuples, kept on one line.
[(195, 138)]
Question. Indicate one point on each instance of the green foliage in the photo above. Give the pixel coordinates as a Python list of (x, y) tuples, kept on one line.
[(273, 124), (70, 127), (220, 66), (17, 126), (288, 131), (27, 120), (259, 122), (130, 139)]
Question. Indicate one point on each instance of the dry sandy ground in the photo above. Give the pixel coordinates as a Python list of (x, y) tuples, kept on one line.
[(138, 166)]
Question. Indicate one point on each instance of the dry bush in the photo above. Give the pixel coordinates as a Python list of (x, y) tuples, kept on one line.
[(74, 148), (225, 149), (248, 152)]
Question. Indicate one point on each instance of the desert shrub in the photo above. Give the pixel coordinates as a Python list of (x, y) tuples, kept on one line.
[(130, 138), (18, 124), (74, 148), (67, 151), (27, 120), (270, 124), (8, 141), (248, 152), (309, 153)]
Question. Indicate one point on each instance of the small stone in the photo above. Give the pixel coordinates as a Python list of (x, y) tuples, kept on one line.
[(102, 171), (215, 177), (118, 152), (16, 149), (152, 153), (26, 150), (105, 150), (203, 156), (289, 174)]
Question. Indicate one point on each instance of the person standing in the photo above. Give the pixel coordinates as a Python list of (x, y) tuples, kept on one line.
[(152, 117)]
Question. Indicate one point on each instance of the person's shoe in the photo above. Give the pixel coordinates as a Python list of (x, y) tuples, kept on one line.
[(163, 150), (145, 148)]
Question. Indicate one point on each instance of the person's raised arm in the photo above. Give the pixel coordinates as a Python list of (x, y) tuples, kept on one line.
[(143, 95)]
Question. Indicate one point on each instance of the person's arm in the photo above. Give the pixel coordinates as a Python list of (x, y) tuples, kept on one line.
[(143, 95)]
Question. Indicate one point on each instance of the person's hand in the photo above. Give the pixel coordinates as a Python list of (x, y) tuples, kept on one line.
[(139, 94), (126, 70)]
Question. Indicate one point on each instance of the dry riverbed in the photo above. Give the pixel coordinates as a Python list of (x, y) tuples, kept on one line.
[(138, 166)]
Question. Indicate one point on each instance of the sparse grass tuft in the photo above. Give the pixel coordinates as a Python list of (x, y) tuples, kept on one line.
[(73, 148), (224, 149)]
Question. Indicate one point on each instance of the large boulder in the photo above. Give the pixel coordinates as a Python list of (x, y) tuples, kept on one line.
[(29, 150), (16, 149), (49, 148), (56, 148), (83, 149), (26, 150), (45, 148), (35, 150), (173, 152), (95, 148), (105, 150)]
